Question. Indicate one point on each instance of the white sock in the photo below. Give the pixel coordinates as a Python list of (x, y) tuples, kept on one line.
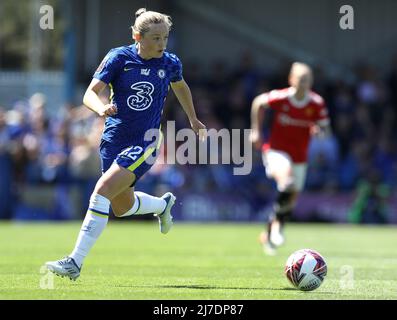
[(94, 223), (145, 204)]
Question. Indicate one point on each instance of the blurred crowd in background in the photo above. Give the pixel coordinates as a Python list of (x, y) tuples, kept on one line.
[(61, 152)]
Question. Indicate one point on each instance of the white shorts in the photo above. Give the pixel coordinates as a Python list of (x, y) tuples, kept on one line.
[(288, 175)]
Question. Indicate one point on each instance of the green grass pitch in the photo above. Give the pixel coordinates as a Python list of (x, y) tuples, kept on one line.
[(132, 260)]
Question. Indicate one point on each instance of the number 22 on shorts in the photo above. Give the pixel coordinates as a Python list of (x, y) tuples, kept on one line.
[(132, 152)]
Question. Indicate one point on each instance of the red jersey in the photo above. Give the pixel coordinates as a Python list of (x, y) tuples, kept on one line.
[(293, 119)]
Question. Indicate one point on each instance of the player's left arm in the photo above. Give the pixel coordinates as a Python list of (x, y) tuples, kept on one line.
[(184, 95), (322, 127)]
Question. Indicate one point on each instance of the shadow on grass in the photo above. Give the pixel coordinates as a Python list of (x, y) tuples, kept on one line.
[(206, 287)]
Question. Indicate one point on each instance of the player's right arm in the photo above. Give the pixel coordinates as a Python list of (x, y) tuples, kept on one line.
[(93, 102), (257, 116)]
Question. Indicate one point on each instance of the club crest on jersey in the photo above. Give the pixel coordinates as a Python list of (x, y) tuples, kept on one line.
[(145, 72), (161, 73), (285, 107), (309, 112)]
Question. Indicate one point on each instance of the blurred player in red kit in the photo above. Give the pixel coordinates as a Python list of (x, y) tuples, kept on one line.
[(298, 113)]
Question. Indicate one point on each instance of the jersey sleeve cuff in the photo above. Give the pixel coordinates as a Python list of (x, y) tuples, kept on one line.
[(323, 122), (100, 77)]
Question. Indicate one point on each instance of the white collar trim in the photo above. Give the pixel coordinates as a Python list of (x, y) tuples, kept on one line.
[(297, 103)]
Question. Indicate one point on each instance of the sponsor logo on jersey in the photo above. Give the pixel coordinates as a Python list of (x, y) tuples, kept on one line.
[(286, 120), (145, 72), (142, 97)]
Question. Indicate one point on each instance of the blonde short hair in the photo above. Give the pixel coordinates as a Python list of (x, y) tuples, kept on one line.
[(143, 20), (300, 67)]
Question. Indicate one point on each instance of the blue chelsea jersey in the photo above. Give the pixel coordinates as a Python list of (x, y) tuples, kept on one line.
[(139, 89)]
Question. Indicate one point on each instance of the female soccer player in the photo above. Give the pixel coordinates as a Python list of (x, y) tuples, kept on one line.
[(298, 112), (139, 77)]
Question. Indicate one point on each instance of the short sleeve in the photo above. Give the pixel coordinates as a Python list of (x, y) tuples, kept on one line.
[(273, 99), (322, 115), (176, 69), (109, 67)]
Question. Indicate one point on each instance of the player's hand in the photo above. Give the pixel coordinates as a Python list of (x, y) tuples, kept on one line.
[(199, 128), (256, 139), (108, 110), (316, 131)]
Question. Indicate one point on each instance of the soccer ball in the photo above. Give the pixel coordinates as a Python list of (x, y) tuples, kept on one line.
[(306, 269)]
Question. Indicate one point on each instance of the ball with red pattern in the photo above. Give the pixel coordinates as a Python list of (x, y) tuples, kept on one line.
[(306, 269)]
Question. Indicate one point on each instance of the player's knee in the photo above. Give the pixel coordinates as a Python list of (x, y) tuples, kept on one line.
[(104, 189), (285, 181)]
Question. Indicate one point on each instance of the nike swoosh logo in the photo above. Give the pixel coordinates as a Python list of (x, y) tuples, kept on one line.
[(128, 69)]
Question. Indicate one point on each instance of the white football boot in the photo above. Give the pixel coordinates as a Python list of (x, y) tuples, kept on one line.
[(65, 267), (276, 234), (165, 218)]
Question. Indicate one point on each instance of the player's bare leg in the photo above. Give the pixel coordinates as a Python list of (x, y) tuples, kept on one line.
[(129, 203), (112, 188), (112, 182), (123, 202)]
